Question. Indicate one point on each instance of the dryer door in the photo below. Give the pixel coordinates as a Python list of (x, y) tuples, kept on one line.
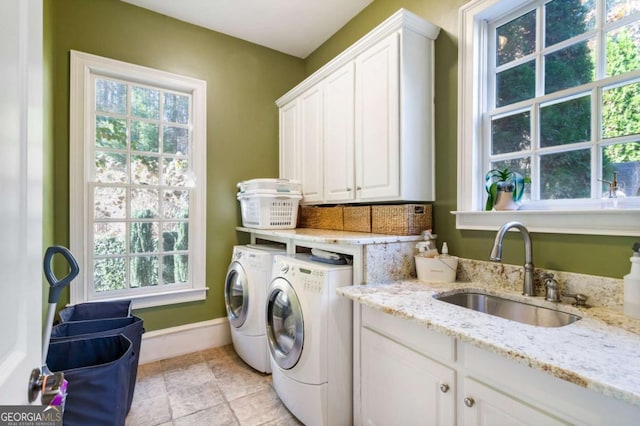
[(285, 325), (236, 294)]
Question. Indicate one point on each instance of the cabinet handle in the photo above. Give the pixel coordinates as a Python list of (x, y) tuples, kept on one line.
[(359, 188), (348, 189), (444, 388), (469, 402)]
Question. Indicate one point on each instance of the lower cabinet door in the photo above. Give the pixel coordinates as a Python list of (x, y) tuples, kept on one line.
[(484, 405), (402, 387)]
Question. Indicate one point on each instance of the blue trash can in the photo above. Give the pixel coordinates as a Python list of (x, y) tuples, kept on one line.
[(96, 310), (98, 370), (131, 327)]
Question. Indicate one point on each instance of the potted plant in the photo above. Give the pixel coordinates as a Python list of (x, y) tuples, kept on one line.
[(504, 188)]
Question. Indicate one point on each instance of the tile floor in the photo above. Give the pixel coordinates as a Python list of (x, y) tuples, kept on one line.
[(211, 387)]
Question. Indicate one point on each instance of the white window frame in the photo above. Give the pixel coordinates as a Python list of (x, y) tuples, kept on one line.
[(83, 67), (566, 217)]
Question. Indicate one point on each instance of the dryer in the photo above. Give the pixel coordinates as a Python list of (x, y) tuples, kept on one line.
[(309, 333), (245, 292)]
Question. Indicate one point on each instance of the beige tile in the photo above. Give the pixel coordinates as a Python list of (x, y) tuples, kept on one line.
[(188, 400), (149, 412), (181, 361), (218, 415), (219, 352), (149, 369), (289, 420), (149, 387), (188, 376), (259, 408), (236, 381)]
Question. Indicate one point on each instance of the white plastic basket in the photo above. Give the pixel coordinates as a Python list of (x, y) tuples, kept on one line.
[(269, 211), (441, 269), (270, 186)]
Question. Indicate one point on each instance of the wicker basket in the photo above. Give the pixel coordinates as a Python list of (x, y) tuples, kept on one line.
[(404, 219), (357, 218), (321, 217)]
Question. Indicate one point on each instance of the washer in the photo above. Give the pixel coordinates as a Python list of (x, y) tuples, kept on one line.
[(245, 293), (309, 332)]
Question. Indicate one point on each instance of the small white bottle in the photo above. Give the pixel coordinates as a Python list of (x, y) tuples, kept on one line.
[(632, 285)]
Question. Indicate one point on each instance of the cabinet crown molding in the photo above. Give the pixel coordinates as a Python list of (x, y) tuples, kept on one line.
[(402, 19)]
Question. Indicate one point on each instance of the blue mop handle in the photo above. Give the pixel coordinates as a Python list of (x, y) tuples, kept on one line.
[(58, 284)]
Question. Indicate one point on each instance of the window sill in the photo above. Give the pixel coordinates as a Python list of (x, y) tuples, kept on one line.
[(625, 222), (158, 299)]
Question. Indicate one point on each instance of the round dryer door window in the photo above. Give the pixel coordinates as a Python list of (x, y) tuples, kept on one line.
[(236, 294), (285, 325)]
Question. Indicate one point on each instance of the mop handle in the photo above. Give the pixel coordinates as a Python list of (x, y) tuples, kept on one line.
[(58, 284), (56, 289)]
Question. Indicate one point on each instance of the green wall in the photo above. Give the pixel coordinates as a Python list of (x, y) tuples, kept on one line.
[(596, 255), (243, 81)]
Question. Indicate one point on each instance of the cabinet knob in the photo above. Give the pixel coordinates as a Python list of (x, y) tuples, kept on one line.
[(348, 189), (444, 388), (358, 188), (469, 402)]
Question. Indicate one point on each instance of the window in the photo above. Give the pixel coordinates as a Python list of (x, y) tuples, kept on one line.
[(137, 183), (551, 89)]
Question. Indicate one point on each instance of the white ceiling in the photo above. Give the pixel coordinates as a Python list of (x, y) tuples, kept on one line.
[(296, 27)]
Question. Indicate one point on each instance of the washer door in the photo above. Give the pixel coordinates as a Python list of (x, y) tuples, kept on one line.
[(236, 294), (285, 325)]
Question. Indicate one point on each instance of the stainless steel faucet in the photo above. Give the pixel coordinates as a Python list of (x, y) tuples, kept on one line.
[(496, 254)]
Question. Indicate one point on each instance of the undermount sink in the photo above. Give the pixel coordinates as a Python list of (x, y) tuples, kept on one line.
[(510, 309)]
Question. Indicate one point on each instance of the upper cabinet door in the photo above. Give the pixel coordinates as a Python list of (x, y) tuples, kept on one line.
[(289, 135), (311, 131), (377, 135), (339, 174)]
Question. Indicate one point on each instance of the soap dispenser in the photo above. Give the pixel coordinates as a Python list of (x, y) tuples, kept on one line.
[(632, 285)]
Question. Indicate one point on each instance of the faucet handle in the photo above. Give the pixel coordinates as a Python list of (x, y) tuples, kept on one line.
[(581, 299), (552, 288)]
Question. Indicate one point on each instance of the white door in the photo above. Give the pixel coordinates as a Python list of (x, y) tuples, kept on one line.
[(339, 175), (310, 166), (485, 406), (21, 194), (289, 135), (377, 121), (402, 387)]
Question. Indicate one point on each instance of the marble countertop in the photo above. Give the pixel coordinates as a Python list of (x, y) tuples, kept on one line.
[(331, 237), (599, 352)]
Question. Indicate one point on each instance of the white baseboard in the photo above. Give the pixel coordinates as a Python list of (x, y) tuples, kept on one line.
[(184, 339)]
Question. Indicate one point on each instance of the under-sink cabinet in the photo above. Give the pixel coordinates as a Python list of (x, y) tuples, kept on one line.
[(409, 374), (360, 129)]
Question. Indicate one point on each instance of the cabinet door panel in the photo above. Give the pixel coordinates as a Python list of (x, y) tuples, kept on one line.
[(288, 141), (490, 407), (377, 121), (402, 387), (339, 175), (310, 165)]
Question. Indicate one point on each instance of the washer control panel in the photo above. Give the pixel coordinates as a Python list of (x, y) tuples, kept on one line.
[(312, 279)]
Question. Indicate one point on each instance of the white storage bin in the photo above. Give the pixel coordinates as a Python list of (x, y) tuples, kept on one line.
[(442, 269), (269, 211), (270, 186)]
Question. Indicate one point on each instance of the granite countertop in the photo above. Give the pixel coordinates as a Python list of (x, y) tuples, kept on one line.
[(599, 352), (331, 237)]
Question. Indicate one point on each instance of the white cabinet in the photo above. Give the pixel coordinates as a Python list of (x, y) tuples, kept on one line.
[(486, 406), (405, 373), (377, 128), (338, 154), (289, 137), (403, 387), (377, 137), (311, 133)]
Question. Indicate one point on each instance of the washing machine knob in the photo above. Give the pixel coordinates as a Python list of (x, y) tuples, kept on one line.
[(284, 268)]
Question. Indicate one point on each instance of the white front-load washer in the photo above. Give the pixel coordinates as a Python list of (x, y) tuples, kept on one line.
[(309, 332), (245, 293)]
